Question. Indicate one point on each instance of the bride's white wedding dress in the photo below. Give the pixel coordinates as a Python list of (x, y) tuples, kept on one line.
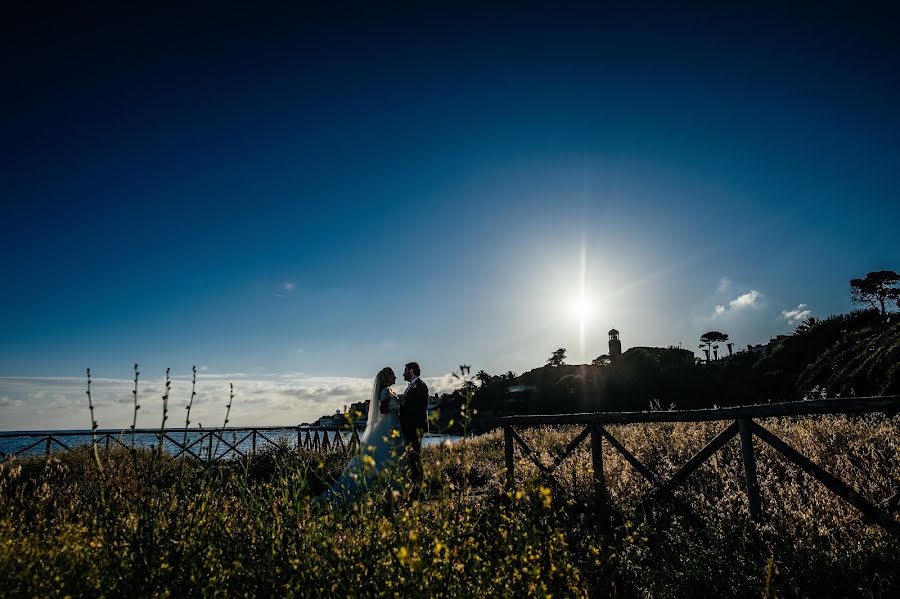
[(380, 455)]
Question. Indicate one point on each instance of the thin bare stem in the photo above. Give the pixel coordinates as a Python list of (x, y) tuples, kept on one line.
[(187, 418), (136, 405), (227, 414), (93, 422), (165, 414)]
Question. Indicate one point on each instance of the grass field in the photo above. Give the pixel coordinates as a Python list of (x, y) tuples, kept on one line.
[(148, 525)]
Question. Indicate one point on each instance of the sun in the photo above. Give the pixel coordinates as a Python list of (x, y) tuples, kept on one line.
[(580, 308)]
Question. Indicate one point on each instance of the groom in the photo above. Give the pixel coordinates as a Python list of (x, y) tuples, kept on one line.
[(413, 417)]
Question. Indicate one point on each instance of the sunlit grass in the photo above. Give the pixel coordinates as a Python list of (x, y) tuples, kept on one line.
[(151, 526)]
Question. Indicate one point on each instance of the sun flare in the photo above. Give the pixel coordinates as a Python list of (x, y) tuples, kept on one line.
[(580, 308)]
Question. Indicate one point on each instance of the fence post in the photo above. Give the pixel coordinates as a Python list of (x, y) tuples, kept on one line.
[(749, 468), (600, 500), (107, 440), (253, 442), (510, 458), (47, 450)]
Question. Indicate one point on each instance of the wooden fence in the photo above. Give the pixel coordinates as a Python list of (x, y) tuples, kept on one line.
[(207, 445), (742, 424)]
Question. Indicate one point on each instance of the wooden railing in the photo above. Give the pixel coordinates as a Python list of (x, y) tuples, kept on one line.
[(207, 445), (743, 424)]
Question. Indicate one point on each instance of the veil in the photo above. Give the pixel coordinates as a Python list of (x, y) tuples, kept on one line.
[(374, 413)]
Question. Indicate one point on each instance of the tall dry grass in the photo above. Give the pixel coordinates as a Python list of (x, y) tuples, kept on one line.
[(152, 525)]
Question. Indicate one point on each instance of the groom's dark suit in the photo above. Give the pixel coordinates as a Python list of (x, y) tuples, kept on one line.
[(413, 423)]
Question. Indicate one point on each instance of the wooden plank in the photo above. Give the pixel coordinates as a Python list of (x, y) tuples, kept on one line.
[(534, 458), (154, 431), (635, 463), (61, 444), (24, 449), (856, 405), (653, 479), (229, 445), (117, 440), (244, 438), (749, 460), (601, 501), (510, 457), (186, 447), (266, 439), (698, 459), (572, 445), (831, 482), (177, 444)]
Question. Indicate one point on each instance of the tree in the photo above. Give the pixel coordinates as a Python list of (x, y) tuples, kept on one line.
[(711, 338), (603, 360), (558, 358), (806, 325), (876, 289), (509, 376), (483, 377)]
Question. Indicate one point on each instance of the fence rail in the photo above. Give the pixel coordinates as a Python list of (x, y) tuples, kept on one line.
[(206, 445), (743, 425)]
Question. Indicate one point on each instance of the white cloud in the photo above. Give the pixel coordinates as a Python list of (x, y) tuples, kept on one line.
[(801, 312), (32, 403), (6, 402), (724, 285), (751, 299)]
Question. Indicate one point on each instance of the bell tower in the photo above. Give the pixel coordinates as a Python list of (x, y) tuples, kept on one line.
[(615, 346)]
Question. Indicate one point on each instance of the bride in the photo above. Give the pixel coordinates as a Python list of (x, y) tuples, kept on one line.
[(381, 444)]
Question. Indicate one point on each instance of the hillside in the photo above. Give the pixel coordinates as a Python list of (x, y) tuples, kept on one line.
[(850, 354)]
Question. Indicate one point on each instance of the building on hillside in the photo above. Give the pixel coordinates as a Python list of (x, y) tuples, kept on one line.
[(358, 413), (335, 420), (762, 347), (520, 388), (615, 346)]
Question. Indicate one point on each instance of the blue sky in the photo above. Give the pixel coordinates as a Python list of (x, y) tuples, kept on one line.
[(308, 194)]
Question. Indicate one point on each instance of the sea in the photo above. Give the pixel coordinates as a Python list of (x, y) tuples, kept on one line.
[(34, 443)]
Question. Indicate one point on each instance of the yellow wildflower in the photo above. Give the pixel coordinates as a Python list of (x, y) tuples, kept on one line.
[(546, 496)]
